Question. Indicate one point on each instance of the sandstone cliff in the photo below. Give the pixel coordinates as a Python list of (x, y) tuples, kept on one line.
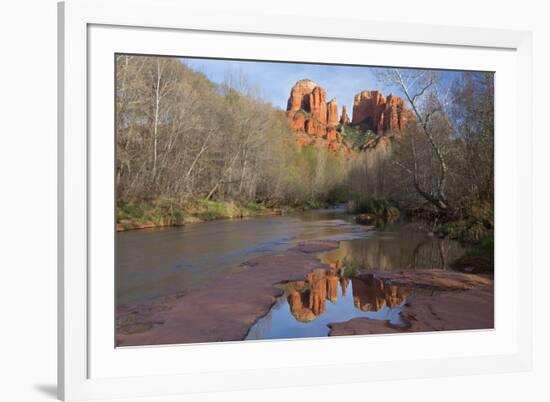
[(313, 118), (345, 118), (316, 121), (373, 111), (332, 113)]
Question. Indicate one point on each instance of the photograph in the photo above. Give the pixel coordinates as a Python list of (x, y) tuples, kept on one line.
[(274, 200), (246, 201)]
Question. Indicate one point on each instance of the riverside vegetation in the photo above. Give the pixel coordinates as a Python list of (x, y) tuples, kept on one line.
[(190, 150)]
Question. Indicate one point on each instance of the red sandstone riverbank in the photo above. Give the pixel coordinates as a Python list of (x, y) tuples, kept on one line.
[(440, 301), (227, 308)]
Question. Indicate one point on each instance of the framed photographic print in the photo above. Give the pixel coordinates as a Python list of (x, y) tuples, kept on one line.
[(249, 202)]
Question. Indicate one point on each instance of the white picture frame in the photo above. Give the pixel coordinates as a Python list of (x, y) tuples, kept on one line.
[(90, 31)]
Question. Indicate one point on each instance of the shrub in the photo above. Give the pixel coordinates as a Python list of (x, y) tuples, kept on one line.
[(354, 136), (362, 204), (478, 258)]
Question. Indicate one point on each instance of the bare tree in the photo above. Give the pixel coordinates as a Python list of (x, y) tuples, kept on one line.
[(181, 137), (419, 87)]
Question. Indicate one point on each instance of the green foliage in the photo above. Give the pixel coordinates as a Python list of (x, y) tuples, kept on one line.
[(129, 210), (350, 269), (163, 211), (338, 195), (479, 257), (354, 136), (311, 176), (362, 204), (210, 210), (256, 207), (485, 246), (313, 204), (168, 212), (475, 223)]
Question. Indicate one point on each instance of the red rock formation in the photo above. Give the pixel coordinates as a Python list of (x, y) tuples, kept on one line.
[(397, 115), (373, 111), (298, 95), (307, 96), (333, 135), (311, 116), (318, 104), (297, 121), (314, 127), (314, 120), (368, 109), (303, 139), (332, 113), (345, 118)]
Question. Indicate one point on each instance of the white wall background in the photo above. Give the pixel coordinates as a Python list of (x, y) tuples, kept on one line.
[(28, 198)]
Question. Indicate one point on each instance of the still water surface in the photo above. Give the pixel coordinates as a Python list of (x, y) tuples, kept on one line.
[(309, 306), (158, 262)]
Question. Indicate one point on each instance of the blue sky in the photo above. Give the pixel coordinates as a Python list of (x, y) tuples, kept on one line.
[(276, 79)]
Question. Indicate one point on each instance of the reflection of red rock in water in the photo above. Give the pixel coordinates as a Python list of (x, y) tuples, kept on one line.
[(332, 287), (371, 294), (297, 308), (344, 285), (335, 264), (227, 308), (307, 299), (317, 292), (448, 301)]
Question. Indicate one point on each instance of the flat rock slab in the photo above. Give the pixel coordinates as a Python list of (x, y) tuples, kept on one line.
[(435, 279), (458, 302), (471, 309), (225, 309)]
